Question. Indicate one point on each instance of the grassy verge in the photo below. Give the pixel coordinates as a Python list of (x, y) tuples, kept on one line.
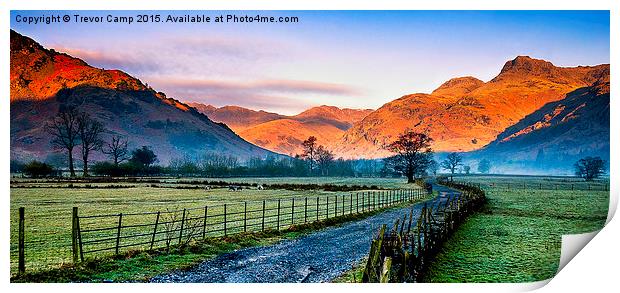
[(517, 237), (139, 266), (354, 275)]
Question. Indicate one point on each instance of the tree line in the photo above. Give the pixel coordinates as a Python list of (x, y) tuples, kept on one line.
[(412, 157)]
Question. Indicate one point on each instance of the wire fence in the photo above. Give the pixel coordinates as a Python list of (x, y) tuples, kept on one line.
[(102, 235), (576, 186)]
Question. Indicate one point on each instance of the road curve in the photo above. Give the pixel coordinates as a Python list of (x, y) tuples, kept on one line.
[(317, 257)]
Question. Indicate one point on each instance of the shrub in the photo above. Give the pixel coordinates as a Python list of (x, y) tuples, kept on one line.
[(36, 169)]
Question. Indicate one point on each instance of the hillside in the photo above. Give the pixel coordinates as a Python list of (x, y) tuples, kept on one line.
[(465, 114), (237, 118), (43, 80), (284, 134), (559, 133)]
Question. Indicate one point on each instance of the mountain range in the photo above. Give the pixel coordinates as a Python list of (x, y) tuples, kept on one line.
[(557, 134), (284, 134), (43, 80), (529, 111), (532, 111), (466, 114)]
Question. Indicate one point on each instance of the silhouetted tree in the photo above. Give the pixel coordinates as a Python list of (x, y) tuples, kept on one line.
[(38, 169), (143, 157), (484, 166), (452, 162), (309, 152), (466, 169), (116, 149), (64, 130), (324, 158), (89, 132), (590, 168), (413, 153)]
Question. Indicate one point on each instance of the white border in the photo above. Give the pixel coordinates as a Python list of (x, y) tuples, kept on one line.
[(595, 267)]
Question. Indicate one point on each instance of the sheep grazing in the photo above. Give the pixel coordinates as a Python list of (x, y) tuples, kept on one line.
[(260, 187)]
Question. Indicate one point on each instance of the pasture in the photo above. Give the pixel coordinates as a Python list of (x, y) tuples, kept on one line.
[(517, 238), (48, 206)]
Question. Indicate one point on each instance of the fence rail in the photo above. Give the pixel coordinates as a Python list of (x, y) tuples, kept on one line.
[(576, 186), (98, 235)]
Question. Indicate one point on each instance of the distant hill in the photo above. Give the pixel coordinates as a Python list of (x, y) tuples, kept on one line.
[(43, 80), (284, 134), (558, 134), (237, 118), (465, 114)]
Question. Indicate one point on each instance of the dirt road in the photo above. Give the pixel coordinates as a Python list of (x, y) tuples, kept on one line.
[(318, 257)]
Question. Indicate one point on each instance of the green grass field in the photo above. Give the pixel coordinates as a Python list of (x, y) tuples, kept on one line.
[(48, 209), (517, 238)]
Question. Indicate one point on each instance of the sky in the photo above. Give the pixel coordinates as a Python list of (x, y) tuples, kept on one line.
[(352, 59)]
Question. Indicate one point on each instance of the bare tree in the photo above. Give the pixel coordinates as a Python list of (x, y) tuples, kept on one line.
[(89, 132), (116, 149), (324, 158), (590, 168), (171, 224), (64, 130), (452, 162), (309, 153), (413, 154)]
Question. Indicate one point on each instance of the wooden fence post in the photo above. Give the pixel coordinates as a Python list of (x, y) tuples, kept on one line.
[(351, 203), (74, 240), (327, 207), (336, 206), (317, 208), (225, 220), (363, 202), (245, 216), (22, 256), (154, 231), (118, 231), (278, 221), (382, 199), (357, 203), (343, 204), (374, 201), (182, 226), (306, 210), (263, 224), (204, 224), (79, 235), (293, 211)]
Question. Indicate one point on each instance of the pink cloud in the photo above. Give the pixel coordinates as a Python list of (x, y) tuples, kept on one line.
[(109, 60), (263, 86)]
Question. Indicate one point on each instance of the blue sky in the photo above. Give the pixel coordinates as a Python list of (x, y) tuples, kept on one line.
[(356, 59)]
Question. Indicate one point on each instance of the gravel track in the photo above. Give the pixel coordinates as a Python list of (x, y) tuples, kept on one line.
[(318, 257)]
